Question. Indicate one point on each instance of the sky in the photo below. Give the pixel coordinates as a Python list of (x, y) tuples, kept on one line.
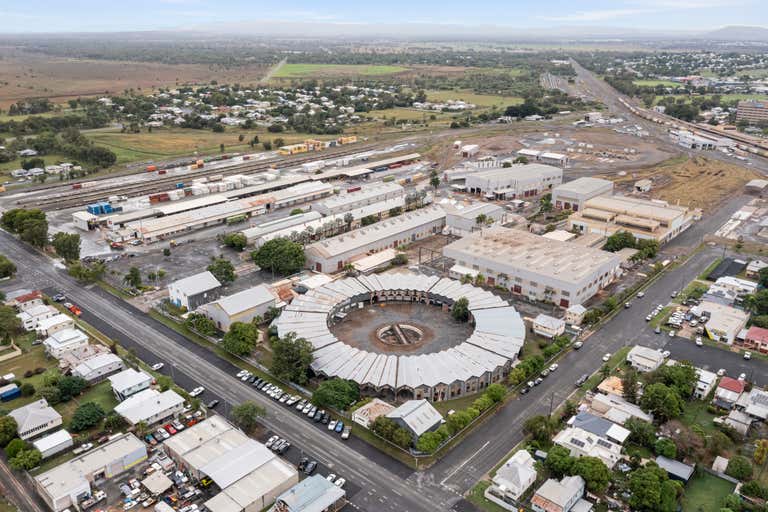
[(21, 16)]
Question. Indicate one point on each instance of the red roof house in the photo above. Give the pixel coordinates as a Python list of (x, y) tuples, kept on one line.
[(757, 338)]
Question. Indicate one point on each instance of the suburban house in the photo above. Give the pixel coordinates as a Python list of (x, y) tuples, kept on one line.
[(367, 414), (600, 427), (243, 306), (756, 339), (563, 496), (754, 268), (644, 359), (705, 383), (26, 300), (55, 323), (616, 409), (416, 416), (63, 341), (754, 403), (129, 382), (194, 291), (581, 443), (611, 386), (35, 418), (548, 326), (728, 392), (513, 479), (31, 318), (739, 421), (98, 368), (150, 406)]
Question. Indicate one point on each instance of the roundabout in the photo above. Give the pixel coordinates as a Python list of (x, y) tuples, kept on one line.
[(393, 334)]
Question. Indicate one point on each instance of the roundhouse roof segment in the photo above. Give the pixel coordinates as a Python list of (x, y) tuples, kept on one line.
[(498, 334)]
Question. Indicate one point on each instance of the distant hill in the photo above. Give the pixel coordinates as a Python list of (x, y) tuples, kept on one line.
[(738, 33)]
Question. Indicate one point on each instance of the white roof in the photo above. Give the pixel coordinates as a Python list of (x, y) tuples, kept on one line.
[(645, 354), (563, 491), (65, 337), (52, 441), (196, 284), (584, 185), (367, 192), (47, 323), (127, 379), (548, 322), (230, 467), (34, 414), (245, 300), (147, 403), (95, 363), (157, 483), (419, 415)]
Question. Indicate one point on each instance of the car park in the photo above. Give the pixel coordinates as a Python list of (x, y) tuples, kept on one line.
[(158, 366)]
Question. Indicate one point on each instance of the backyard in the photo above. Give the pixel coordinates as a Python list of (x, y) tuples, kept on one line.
[(705, 493)]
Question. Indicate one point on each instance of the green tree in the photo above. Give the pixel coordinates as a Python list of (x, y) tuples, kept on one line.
[(223, 270), (237, 241), (201, 324), (52, 394), (10, 324), (559, 461), (296, 211), (652, 491), (661, 401), (291, 357), (594, 472), (246, 415), (681, 377), (763, 277), (86, 416), (27, 389), (540, 428), (13, 220), (133, 277), (400, 259), (67, 245), (7, 268), (114, 422), (241, 338), (430, 441), (761, 451), (71, 387), (434, 181), (641, 432), (629, 385), (666, 448), (14, 447), (495, 392), (8, 428), (391, 431), (618, 241), (164, 382), (739, 467), (460, 310), (281, 256), (87, 273), (336, 393), (35, 232), (26, 459)]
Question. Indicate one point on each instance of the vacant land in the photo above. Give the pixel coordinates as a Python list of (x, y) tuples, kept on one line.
[(697, 182), (723, 97), (481, 100), (334, 70), (24, 75), (654, 83), (705, 493)]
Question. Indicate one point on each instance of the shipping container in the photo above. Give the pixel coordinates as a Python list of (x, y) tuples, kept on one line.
[(162, 171), (236, 219), (180, 185), (77, 186), (387, 179), (215, 177), (353, 189)]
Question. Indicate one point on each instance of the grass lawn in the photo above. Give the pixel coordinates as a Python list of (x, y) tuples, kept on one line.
[(695, 413), (49, 160), (712, 266), (476, 497), (334, 70), (481, 100), (695, 288), (654, 83), (32, 357), (705, 493), (101, 394), (725, 97), (6, 506), (457, 404)]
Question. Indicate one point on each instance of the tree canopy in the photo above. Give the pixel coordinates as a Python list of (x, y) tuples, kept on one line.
[(7, 267), (460, 310), (336, 393), (661, 401), (86, 416), (291, 357), (247, 414), (8, 428), (280, 256), (241, 338), (391, 431), (223, 270), (237, 241), (67, 245), (652, 490)]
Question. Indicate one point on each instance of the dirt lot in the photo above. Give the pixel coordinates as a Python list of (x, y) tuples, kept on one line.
[(698, 182), (25, 75)]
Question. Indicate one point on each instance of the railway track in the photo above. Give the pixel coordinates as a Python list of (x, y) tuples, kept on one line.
[(66, 197)]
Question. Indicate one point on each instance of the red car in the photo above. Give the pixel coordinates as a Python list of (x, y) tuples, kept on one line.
[(75, 310), (169, 428)]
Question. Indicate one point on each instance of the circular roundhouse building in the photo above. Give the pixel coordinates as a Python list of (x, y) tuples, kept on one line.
[(393, 334)]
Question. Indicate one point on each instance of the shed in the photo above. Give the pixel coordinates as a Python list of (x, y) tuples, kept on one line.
[(675, 469), (157, 483)]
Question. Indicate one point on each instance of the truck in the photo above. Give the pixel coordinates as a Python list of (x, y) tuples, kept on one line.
[(151, 168)]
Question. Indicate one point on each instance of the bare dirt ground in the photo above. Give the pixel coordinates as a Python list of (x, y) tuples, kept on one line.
[(27, 75), (698, 182)]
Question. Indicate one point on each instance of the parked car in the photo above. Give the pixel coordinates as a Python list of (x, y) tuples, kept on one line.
[(331, 477), (284, 448), (721, 372), (699, 343), (578, 345), (544, 373), (581, 380), (627, 305), (59, 297), (742, 376), (657, 330), (318, 416), (340, 483), (640, 295), (530, 384), (606, 357), (339, 427), (525, 390), (302, 403), (747, 355), (553, 367), (666, 354), (271, 441), (310, 468), (170, 429), (158, 366), (347, 432), (212, 404), (538, 381), (197, 391), (332, 425), (303, 463), (241, 373)]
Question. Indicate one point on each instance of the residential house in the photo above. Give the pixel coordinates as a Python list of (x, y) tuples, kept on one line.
[(31, 317), (756, 339), (56, 323), (53, 443), (513, 479), (563, 496), (99, 367), (581, 443), (612, 386), (574, 315), (367, 414), (243, 306), (644, 359), (704, 384), (548, 326), (739, 421), (26, 300), (600, 427), (150, 406), (616, 409), (129, 382), (35, 418), (754, 403), (416, 416), (64, 341), (754, 267), (728, 392), (194, 291)]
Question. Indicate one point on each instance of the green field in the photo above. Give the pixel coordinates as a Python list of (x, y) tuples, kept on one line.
[(705, 493), (723, 97), (332, 70), (481, 100), (654, 83)]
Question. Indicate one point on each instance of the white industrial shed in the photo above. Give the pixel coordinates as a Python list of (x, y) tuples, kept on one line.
[(485, 357), (517, 181), (573, 194), (368, 194)]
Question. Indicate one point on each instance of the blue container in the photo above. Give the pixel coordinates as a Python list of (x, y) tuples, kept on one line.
[(179, 185), (10, 394), (93, 209)]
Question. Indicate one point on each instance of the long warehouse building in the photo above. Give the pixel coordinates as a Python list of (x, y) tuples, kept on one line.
[(332, 254), (517, 181), (537, 267), (368, 194)]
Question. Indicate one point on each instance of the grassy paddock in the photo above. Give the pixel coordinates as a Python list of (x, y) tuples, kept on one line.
[(654, 83), (330, 70), (481, 100)]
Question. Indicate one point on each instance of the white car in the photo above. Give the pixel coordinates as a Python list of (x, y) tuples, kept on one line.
[(332, 425), (666, 354), (698, 341), (721, 372), (158, 366), (331, 478), (640, 295), (607, 356), (672, 334), (199, 390), (553, 367), (743, 376), (340, 483), (241, 373), (747, 355)]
